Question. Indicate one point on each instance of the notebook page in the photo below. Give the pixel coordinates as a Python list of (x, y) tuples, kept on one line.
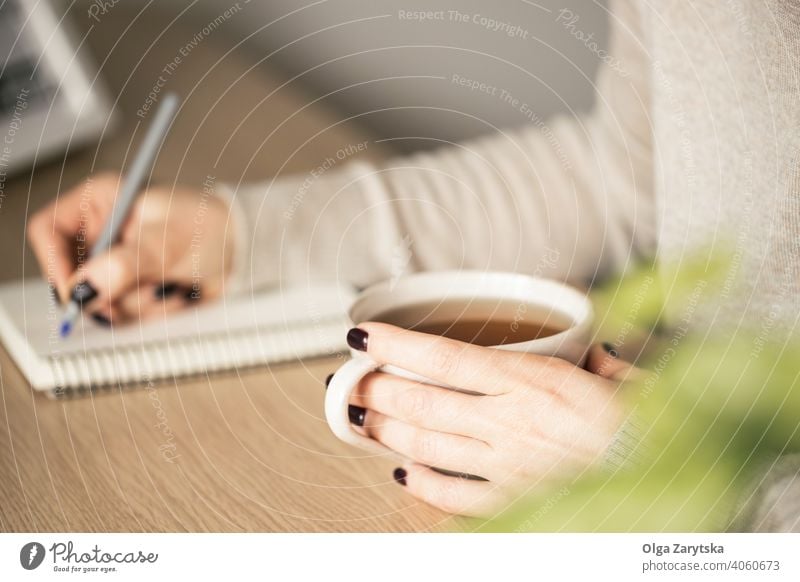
[(235, 331), (29, 306)]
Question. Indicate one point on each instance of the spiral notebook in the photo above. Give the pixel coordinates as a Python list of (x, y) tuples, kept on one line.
[(236, 332)]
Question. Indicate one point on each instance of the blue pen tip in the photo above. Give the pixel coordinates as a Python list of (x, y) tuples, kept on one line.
[(66, 327)]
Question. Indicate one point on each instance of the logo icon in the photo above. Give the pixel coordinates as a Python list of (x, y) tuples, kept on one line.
[(31, 555)]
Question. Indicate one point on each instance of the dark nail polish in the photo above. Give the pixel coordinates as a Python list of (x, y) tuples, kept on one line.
[(328, 380), (459, 474), (610, 349), (357, 415), (101, 319), (400, 475), (83, 293), (357, 339), (165, 290)]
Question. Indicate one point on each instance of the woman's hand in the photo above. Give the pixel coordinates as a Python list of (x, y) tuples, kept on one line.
[(172, 248), (535, 418)]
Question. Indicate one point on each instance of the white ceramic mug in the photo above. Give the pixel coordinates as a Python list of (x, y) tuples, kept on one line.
[(567, 306)]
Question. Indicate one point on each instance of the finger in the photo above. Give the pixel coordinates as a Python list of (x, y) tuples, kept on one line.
[(136, 302), (603, 360), (105, 316), (53, 251), (86, 207), (422, 405), (53, 230), (147, 301), (451, 494), (436, 449), (134, 307), (114, 273), (165, 305), (459, 364)]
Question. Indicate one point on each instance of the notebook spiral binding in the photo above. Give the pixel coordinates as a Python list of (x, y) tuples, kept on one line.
[(79, 374)]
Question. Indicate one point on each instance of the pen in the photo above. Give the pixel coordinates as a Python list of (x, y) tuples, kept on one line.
[(131, 184)]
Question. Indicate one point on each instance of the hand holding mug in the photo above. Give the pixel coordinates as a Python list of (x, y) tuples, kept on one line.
[(533, 418), (515, 415)]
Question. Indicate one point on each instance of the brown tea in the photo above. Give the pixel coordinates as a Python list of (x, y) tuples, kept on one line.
[(484, 322)]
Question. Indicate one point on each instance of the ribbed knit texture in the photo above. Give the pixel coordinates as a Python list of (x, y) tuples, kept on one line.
[(697, 145)]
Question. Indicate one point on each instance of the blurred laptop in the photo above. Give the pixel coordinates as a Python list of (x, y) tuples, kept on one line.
[(50, 96)]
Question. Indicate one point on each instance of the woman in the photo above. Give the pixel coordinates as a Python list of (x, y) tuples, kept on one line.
[(692, 142)]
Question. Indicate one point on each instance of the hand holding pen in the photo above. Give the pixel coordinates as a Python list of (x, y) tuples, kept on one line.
[(152, 251)]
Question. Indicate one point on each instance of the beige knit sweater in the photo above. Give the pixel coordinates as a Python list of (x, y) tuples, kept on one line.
[(693, 142)]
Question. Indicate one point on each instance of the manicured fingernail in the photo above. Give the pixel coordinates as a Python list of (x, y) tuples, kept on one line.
[(610, 349), (83, 293), (165, 290), (328, 380), (459, 474), (357, 339), (400, 475), (357, 415), (101, 319)]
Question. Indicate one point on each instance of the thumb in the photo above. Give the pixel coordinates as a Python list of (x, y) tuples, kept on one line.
[(107, 277), (603, 360)]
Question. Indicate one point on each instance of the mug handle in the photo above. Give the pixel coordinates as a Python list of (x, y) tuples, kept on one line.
[(337, 400)]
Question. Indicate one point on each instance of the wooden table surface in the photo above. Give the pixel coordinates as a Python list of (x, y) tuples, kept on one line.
[(239, 452), (245, 451)]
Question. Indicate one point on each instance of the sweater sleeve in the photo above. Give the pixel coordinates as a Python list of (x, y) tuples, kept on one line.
[(568, 198)]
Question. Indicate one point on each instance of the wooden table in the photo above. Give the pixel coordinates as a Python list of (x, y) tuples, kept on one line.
[(241, 452), (238, 452)]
